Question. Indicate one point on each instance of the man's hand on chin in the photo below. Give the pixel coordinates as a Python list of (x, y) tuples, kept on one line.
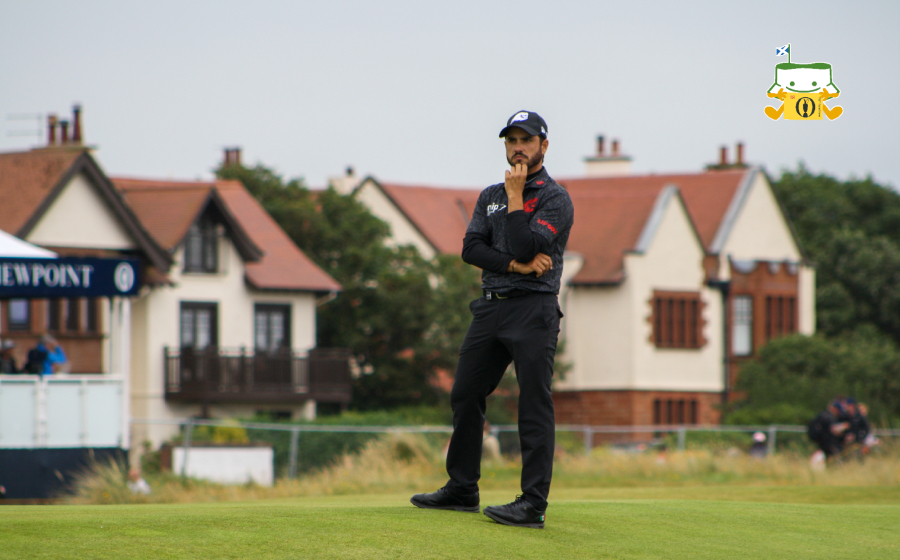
[(515, 185)]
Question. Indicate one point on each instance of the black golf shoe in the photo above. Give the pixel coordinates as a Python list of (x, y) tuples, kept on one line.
[(519, 513), (444, 499)]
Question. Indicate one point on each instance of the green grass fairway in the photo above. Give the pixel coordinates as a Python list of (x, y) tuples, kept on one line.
[(767, 522)]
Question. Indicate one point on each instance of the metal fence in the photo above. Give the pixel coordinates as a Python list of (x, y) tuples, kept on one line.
[(588, 433)]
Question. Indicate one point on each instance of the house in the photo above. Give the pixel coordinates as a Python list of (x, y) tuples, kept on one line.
[(233, 331), (671, 282), (225, 323)]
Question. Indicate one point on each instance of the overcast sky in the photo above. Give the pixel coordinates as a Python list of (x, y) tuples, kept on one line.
[(416, 92)]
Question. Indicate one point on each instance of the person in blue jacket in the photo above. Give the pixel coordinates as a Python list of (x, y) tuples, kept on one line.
[(47, 357)]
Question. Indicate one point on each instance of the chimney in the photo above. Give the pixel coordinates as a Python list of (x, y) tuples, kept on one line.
[(724, 165), (76, 124), (613, 164), (232, 156), (51, 129), (349, 171), (63, 132)]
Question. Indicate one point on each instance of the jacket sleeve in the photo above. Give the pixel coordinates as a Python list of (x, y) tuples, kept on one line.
[(477, 249), (527, 237)]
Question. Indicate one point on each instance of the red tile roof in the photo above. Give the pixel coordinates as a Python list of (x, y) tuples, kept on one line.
[(26, 179), (610, 213), (168, 208), (706, 195), (440, 214), (607, 225), (165, 208)]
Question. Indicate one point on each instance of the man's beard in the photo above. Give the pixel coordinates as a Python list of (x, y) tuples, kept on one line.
[(531, 163)]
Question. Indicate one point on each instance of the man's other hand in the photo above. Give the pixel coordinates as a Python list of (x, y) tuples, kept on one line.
[(540, 264)]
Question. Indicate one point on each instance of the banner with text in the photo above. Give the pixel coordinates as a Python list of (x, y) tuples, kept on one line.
[(68, 277)]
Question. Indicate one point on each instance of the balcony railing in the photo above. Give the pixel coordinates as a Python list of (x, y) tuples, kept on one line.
[(221, 375)]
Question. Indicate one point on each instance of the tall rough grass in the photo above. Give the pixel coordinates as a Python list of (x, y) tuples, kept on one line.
[(409, 462)]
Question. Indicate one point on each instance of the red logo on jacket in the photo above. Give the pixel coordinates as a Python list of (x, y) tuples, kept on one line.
[(548, 224), (529, 205)]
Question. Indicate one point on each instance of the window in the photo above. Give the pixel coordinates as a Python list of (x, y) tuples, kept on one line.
[(271, 325), (201, 247), (19, 315), (781, 316), (92, 315), (675, 411), (742, 326), (54, 315), (73, 314), (677, 320), (199, 325)]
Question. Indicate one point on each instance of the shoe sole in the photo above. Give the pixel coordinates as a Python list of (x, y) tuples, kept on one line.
[(511, 524), (472, 509)]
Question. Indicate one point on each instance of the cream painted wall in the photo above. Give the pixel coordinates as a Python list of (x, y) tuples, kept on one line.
[(608, 331), (596, 336), (79, 217), (673, 261), (760, 231), (807, 300), (402, 231), (156, 324)]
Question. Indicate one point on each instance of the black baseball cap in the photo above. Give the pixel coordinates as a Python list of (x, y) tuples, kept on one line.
[(529, 121)]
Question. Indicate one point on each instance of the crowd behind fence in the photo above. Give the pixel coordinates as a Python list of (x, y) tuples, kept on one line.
[(587, 432)]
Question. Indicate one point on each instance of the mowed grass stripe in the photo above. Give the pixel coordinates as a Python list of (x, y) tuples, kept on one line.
[(388, 526)]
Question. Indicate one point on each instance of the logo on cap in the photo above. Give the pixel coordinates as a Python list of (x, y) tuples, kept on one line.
[(521, 116)]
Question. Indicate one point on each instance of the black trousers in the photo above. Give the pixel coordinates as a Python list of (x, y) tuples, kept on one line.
[(523, 330)]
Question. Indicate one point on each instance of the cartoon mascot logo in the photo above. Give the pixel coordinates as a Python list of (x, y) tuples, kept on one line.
[(803, 90)]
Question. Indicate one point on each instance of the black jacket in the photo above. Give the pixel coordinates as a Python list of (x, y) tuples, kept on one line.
[(495, 236)]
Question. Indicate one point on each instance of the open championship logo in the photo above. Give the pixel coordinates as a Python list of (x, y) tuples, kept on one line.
[(808, 87), (123, 277)]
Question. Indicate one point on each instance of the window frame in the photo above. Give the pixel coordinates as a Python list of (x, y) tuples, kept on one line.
[(267, 309), (749, 323), (19, 326), (194, 306), (202, 236), (676, 320)]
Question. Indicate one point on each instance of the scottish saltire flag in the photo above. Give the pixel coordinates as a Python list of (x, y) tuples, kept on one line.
[(783, 50)]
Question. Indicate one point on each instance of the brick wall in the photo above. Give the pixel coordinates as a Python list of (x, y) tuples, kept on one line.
[(631, 408)]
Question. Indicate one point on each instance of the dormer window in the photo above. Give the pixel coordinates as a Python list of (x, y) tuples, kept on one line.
[(201, 247)]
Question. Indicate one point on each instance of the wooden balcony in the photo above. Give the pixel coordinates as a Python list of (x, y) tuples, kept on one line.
[(220, 375)]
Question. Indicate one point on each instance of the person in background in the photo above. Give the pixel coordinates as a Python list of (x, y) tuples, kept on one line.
[(7, 360), (136, 482), (490, 444), (47, 357), (759, 449), (827, 431)]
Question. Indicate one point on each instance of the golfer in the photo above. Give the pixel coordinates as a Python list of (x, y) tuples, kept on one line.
[(517, 236)]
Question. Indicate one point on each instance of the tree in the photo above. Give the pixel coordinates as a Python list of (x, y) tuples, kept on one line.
[(796, 376), (402, 316), (851, 232)]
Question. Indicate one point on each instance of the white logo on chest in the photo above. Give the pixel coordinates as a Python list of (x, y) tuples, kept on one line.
[(494, 207)]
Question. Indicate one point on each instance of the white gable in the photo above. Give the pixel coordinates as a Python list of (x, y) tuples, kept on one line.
[(80, 217), (608, 334), (759, 230), (403, 232)]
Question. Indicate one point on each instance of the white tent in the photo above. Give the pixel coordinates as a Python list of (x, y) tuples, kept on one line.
[(12, 246)]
